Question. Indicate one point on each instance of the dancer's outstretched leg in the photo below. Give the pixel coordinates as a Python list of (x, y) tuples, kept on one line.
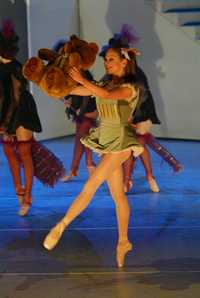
[(153, 143), (115, 183), (108, 164)]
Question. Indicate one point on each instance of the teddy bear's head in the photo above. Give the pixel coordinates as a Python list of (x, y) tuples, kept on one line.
[(85, 52), (53, 78)]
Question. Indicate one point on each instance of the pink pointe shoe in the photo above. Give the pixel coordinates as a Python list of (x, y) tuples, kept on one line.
[(122, 250), (54, 235), (24, 209), (68, 177), (153, 185), (25, 203)]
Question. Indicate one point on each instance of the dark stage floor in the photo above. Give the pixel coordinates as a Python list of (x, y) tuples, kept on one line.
[(165, 230)]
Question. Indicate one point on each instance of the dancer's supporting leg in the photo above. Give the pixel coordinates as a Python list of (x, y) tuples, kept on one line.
[(14, 165), (77, 154), (24, 137), (115, 183), (108, 165)]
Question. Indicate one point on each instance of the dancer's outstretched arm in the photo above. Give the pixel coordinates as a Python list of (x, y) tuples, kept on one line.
[(116, 94)]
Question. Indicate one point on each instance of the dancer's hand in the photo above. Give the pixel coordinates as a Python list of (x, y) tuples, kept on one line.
[(4, 60), (76, 75)]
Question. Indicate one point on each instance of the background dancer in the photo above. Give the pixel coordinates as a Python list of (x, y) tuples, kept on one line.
[(82, 110), (18, 120), (142, 120)]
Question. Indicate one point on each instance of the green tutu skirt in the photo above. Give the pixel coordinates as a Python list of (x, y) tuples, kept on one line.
[(109, 137)]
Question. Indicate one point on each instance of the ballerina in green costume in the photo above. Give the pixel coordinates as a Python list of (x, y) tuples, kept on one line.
[(113, 139)]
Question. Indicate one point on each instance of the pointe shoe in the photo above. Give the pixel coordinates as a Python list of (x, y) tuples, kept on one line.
[(153, 185), (122, 250), (24, 209), (68, 177), (128, 185), (54, 235)]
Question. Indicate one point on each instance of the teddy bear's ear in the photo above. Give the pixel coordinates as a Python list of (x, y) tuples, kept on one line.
[(67, 48), (48, 55), (88, 55), (77, 42), (73, 37), (94, 47)]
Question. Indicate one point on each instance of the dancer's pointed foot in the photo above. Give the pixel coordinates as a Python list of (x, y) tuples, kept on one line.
[(54, 235), (122, 249), (68, 177), (153, 184)]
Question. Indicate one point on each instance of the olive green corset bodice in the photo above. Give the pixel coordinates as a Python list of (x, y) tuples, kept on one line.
[(115, 111), (113, 134)]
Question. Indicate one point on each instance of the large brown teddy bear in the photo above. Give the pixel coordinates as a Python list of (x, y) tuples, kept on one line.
[(53, 77)]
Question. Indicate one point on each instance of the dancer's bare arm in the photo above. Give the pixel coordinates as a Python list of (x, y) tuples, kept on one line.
[(81, 91), (115, 94)]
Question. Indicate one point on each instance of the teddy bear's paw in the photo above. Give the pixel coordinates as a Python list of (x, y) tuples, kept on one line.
[(55, 84), (53, 81), (33, 69)]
